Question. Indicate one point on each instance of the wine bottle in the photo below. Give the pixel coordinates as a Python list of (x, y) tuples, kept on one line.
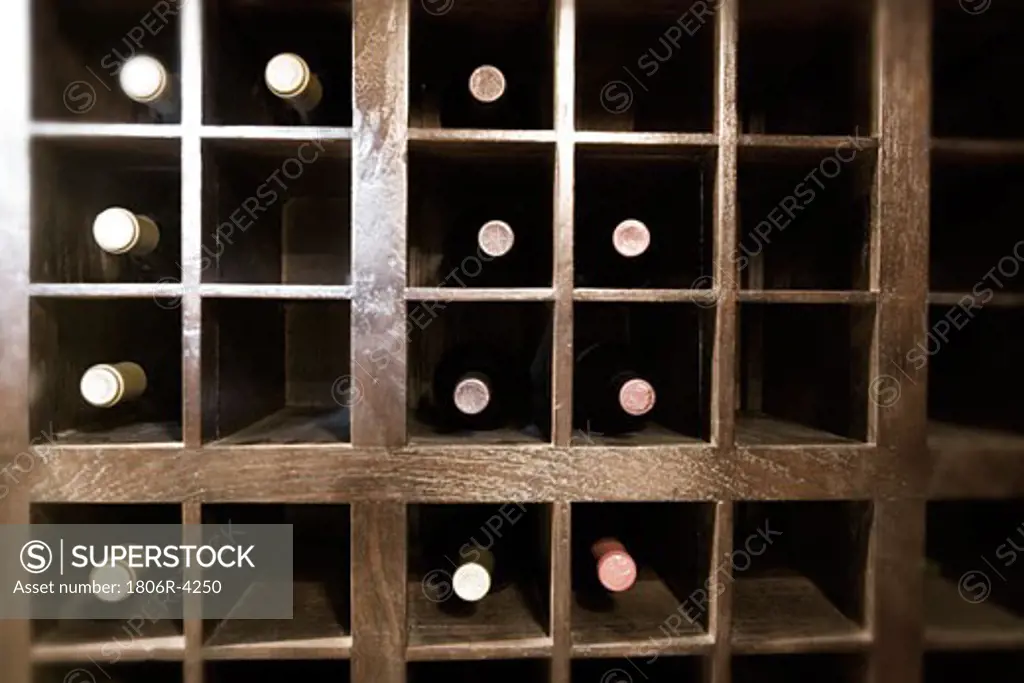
[(482, 100), (118, 230), (119, 574), (471, 580), (289, 77), (145, 80), (472, 389), (631, 238), (616, 254), (107, 385), (616, 570), (609, 396), (487, 84), (496, 238)]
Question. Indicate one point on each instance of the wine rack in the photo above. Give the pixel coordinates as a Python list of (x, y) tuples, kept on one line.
[(798, 215)]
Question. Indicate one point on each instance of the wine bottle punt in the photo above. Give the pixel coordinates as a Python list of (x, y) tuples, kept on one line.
[(117, 230), (616, 569), (145, 80), (107, 385)]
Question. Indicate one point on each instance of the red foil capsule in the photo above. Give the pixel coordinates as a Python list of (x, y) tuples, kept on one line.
[(616, 569)]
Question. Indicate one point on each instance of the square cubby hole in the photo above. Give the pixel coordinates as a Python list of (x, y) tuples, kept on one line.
[(276, 372), (976, 42), (975, 209), (277, 212), (652, 668), (480, 215), (642, 373), (128, 351), (478, 372), (841, 668), (640, 571), (478, 573), (78, 52), (109, 668), (321, 547), (805, 218), (493, 670), (992, 666), (647, 66), (82, 190), (973, 572), (116, 637), (278, 670), (803, 373), (481, 64), (805, 67), (973, 375), (643, 218), (247, 35), (798, 568)]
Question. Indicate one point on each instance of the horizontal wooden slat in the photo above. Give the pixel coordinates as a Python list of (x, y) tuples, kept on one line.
[(525, 647), (452, 136), (478, 294), (698, 140), (233, 291), (55, 129), (707, 297), (107, 290), (800, 296), (298, 133)]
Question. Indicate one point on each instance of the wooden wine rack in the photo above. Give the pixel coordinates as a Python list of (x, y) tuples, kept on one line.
[(871, 499)]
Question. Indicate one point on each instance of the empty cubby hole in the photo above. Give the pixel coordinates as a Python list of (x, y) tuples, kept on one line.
[(973, 375), (450, 40), (974, 44), (975, 208), (117, 635), (320, 573), (667, 346), (670, 192), (248, 34), (515, 537), (805, 67), (495, 670), (277, 212), (506, 346), (69, 336), (648, 66), (455, 192), (77, 53), (804, 371), (670, 547), (653, 667), (805, 219), (73, 181), (109, 668), (972, 575), (276, 372), (993, 666), (277, 670), (798, 568), (841, 668)]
